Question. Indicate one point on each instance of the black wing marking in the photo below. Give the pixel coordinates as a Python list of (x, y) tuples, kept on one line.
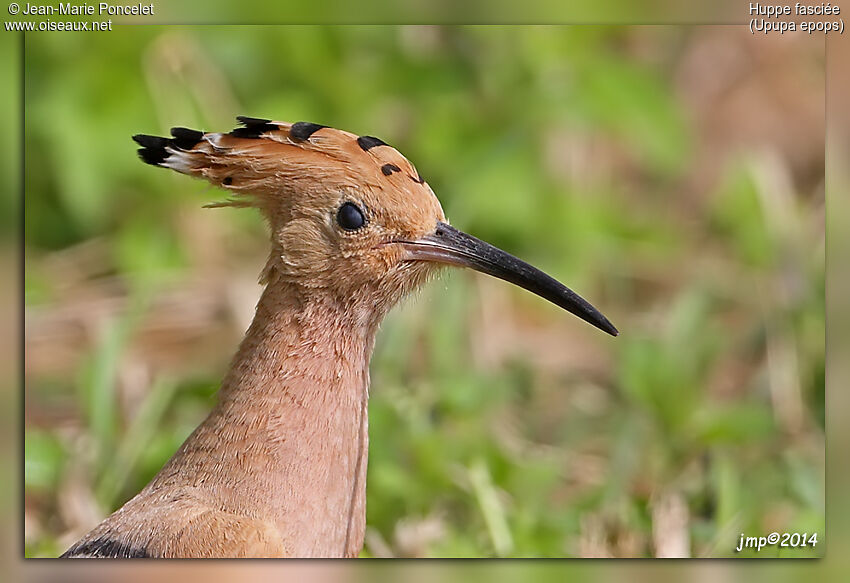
[(105, 548)]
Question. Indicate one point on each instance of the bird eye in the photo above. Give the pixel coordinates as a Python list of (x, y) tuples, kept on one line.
[(350, 217)]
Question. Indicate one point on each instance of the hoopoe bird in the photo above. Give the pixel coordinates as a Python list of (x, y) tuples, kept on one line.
[(278, 468)]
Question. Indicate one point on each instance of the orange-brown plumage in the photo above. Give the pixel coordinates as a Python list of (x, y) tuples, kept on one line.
[(278, 467)]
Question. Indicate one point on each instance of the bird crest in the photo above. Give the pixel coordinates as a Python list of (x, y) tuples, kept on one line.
[(265, 159)]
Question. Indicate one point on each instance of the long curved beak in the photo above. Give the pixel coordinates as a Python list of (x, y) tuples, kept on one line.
[(448, 245)]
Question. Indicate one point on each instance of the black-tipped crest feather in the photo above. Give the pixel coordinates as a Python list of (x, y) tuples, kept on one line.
[(254, 127), (153, 150)]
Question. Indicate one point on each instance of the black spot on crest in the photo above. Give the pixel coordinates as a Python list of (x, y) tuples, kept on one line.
[(186, 139), (253, 131), (105, 548), (153, 148), (153, 157), (251, 121), (367, 142), (418, 179), (254, 127), (150, 141), (302, 130), (388, 169)]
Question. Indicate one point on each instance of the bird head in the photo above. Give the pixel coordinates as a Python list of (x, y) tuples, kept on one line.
[(348, 214)]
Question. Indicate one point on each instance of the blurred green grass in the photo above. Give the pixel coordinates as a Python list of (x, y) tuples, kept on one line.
[(499, 426)]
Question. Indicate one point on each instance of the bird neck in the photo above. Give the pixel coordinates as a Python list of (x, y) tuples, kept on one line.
[(290, 427), (305, 341)]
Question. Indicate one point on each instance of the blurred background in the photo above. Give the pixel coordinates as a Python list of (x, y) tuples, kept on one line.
[(671, 175)]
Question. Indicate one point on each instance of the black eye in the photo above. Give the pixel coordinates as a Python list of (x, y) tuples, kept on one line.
[(350, 217)]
